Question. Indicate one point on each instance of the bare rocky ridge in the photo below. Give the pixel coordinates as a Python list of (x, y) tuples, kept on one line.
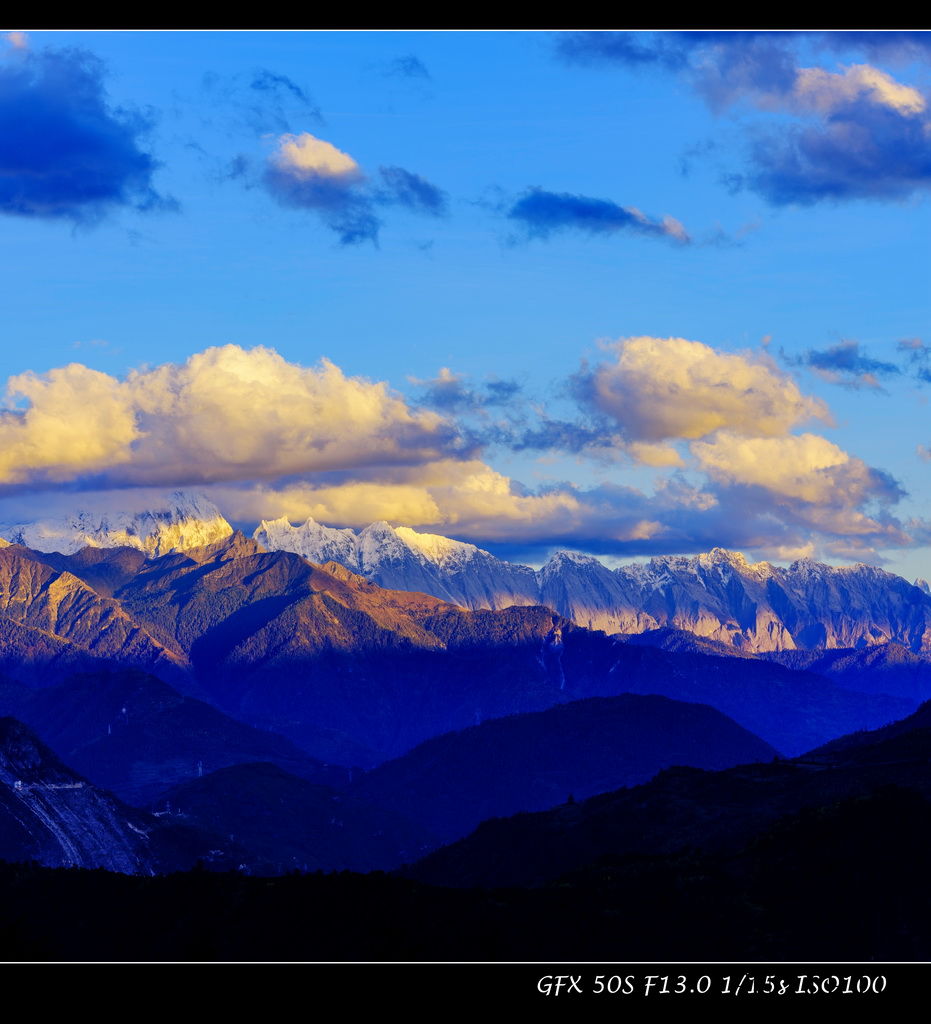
[(53, 622), (50, 814)]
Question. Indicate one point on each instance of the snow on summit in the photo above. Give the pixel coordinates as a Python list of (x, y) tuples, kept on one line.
[(183, 520), (718, 595)]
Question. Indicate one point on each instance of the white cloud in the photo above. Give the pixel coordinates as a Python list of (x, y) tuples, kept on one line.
[(454, 495), (224, 414), (804, 466), (824, 91), (76, 421), (18, 40), (305, 155), (266, 437), (664, 388)]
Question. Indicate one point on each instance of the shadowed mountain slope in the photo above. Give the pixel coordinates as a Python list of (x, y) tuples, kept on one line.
[(355, 673), (135, 736), (290, 823), (50, 814), (714, 812), (533, 761)]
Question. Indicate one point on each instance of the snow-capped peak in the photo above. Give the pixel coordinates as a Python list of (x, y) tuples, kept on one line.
[(310, 540), (435, 548), (180, 521)]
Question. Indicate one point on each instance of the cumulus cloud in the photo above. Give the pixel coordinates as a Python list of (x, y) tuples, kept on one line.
[(540, 214), (304, 172), (662, 388), (852, 133), (810, 484), (867, 150), (265, 437), (681, 405), (464, 497), (804, 466), (76, 421), (65, 152), (224, 414)]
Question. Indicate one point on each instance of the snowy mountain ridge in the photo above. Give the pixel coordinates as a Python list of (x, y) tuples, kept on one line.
[(184, 520), (718, 595)]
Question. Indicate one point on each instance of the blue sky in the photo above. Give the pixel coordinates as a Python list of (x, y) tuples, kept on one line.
[(631, 294)]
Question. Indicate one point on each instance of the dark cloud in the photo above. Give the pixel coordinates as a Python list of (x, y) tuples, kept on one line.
[(676, 51), (347, 205), (670, 51), (571, 436), (719, 65), (847, 365), (65, 152), (851, 137), (891, 45), (271, 84), (498, 414), (628, 48), (760, 64), (402, 188), (308, 173), (408, 66), (342, 206), (451, 393), (541, 214), (862, 152)]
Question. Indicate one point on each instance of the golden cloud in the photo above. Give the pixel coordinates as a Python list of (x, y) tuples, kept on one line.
[(824, 91), (305, 155), (224, 414), (664, 388)]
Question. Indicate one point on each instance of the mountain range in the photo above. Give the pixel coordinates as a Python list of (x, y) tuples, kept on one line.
[(180, 693), (719, 595)]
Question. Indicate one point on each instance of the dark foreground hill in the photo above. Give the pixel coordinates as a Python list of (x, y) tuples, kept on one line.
[(715, 812), (534, 761), (827, 885), (132, 734), (821, 859), (288, 822)]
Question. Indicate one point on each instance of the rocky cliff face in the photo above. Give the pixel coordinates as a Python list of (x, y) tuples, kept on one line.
[(50, 814), (52, 622)]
